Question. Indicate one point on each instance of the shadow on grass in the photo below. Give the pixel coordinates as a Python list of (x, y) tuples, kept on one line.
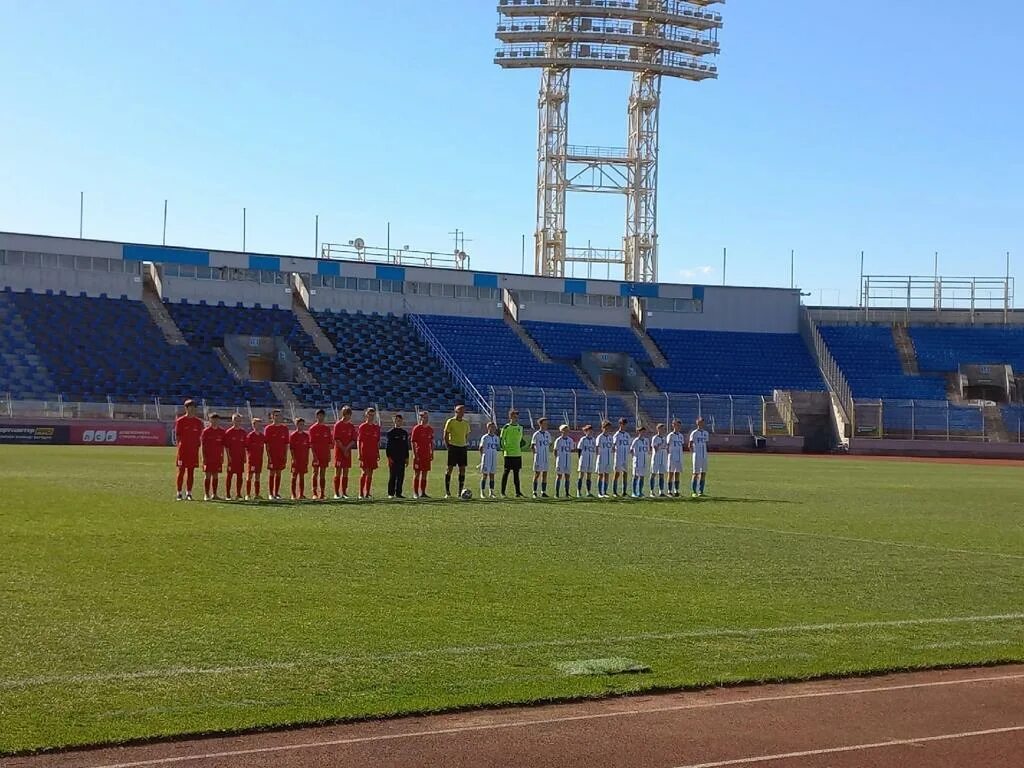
[(332, 504)]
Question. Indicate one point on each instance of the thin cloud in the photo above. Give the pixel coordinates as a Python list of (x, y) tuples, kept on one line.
[(688, 274)]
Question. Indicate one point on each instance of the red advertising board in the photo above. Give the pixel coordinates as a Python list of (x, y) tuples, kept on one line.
[(118, 433)]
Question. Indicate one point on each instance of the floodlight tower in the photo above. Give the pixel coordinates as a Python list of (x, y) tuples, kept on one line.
[(651, 39)]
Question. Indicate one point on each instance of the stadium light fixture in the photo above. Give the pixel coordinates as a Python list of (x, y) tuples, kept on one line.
[(650, 39)]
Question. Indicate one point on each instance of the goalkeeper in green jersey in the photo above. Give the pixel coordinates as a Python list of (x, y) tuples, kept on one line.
[(513, 441)]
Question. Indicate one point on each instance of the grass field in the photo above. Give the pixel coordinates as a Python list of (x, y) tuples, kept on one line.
[(125, 615)]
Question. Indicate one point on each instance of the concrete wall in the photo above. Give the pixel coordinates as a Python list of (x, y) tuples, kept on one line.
[(230, 292), (964, 449), (763, 310), (71, 281)]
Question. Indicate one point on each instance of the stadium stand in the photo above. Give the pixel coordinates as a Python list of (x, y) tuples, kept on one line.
[(381, 361), (99, 348), (490, 354), (868, 357), (929, 417), (1013, 419), (945, 349), (719, 362), (23, 374), (564, 341)]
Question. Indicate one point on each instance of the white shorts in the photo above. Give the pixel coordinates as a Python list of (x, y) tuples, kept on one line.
[(541, 462), (621, 462), (563, 466), (675, 463), (658, 467), (488, 463), (700, 464), (639, 470), (586, 464), (604, 464)]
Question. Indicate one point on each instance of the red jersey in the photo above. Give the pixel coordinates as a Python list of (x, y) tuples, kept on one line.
[(276, 436), (254, 445), (422, 447), (188, 432), (369, 444), (234, 442), (213, 448), (299, 443), (320, 442), (344, 440)]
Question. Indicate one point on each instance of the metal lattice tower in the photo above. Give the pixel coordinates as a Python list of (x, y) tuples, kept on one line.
[(651, 39)]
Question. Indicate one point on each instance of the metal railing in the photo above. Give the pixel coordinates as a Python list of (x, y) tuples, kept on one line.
[(830, 369), (919, 420), (477, 401)]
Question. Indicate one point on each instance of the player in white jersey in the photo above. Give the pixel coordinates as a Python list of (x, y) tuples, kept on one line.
[(605, 458), (564, 449), (659, 460), (490, 446), (640, 450), (541, 446), (587, 449), (699, 440), (676, 448), (622, 442)]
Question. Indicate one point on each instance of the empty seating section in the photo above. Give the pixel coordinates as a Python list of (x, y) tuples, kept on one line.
[(722, 413), (490, 354), (100, 348), (1013, 420), (945, 349), (869, 360), (381, 361), (563, 341), (205, 326), (718, 362), (23, 374)]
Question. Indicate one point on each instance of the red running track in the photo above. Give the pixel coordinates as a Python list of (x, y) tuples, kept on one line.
[(938, 719)]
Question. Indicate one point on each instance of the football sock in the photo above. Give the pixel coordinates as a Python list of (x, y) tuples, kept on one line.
[(483, 485), (535, 486), (344, 485), (558, 486), (181, 478), (190, 479), (579, 485), (702, 484), (615, 485), (448, 484), (257, 486), (544, 486), (302, 485), (206, 486), (652, 483), (492, 483), (693, 484), (337, 485), (462, 481), (238, 485)]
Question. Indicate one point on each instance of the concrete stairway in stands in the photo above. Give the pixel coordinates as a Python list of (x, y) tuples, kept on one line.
[(585, 378), (905, 347), (310, 326), (285, 395), (526, 338), (657, 358), (995, 427), (229, 364), (162, 318)]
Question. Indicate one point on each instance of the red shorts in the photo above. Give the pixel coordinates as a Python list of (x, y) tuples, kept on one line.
[(188, 458), (213, 467), (300, 468), (369, 462), (342, 459), (321, 459), (422, 464), (277, 463), (255, 468), (236, 466)]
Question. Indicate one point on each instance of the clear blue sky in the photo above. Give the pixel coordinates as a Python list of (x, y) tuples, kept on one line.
[(892, 127)]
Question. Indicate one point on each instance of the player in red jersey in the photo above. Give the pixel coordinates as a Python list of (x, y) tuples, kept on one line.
[(369, 452), (234, 442), (423, 455), (188, 430), (255, 443), (276, 435), (298, 441), (344, 441), (213, 456), (320, 442)]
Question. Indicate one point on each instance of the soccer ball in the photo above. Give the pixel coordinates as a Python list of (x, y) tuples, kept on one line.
[(466, 494)]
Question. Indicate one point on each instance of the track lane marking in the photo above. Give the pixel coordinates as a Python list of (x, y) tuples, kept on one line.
[(636, 712)]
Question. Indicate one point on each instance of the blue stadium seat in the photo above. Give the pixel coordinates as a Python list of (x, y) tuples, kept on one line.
[(564, 341), (945, 349), (869, 360)]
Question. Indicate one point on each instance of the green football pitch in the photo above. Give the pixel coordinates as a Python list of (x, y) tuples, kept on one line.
[(125, 615)]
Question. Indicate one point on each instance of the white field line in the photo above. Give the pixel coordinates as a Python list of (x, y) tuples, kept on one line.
[(700, 705), (806, 534), (856, 747), (700, 634)]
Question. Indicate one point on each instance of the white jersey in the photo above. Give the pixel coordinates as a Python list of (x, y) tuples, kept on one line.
[(490, 445), (676, 447), (605, 451), (659, 449), (622, 442), (699, 445), (564, 446), (641, 452), (541, 443), (587, 448)]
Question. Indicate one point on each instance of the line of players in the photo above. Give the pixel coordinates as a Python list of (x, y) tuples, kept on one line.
[(609, 456), (616, 457)]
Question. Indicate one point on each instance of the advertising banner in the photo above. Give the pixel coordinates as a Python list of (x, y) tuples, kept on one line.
[(33, 434), (135, 433)]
